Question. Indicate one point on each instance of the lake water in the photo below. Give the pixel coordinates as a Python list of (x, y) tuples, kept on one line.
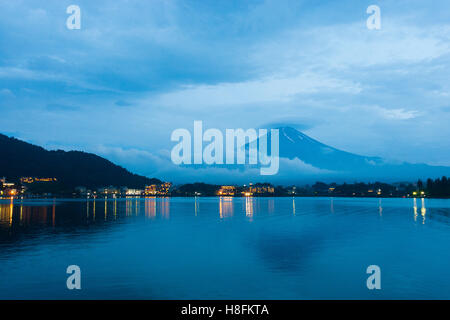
[(225, 248)]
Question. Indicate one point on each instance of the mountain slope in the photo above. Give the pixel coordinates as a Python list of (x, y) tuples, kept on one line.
[(295, 144), (306, 160), (73, 168)]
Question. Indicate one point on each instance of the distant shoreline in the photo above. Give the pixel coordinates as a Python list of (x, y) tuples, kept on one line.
[(238, 197)]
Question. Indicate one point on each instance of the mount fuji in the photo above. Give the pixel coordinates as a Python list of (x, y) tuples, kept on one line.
[(306, 160), (341, 165)]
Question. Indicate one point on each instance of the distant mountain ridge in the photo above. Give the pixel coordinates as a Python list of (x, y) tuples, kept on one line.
[(73, 168), (306, 160), (302, 160), (295, 144)]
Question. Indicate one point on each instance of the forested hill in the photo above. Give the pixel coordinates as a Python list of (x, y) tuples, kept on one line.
[(73, 168)]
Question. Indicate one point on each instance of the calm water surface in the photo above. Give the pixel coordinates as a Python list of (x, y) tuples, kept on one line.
[(221, 248)]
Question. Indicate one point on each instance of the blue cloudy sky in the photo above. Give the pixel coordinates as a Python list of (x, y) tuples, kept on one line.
[(137, 70)]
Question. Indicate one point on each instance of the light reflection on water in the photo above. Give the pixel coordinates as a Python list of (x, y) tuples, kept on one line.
[(249, 248)]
